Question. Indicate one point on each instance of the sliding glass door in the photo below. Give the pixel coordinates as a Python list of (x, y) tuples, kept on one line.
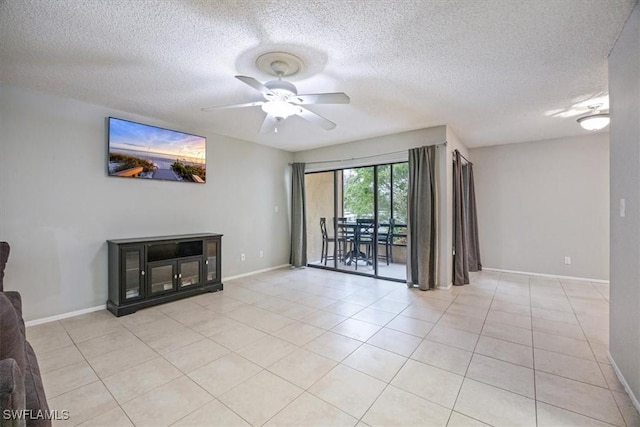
[(320, 195), (398, 194), (356, 220)]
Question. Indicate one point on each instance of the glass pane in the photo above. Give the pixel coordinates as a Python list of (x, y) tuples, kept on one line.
[(384, 193), (132, 273), (319, 188), (392, 240), (358, 193), (355, 232), (400, 189), (212, 261), (161, 278), (189, 273)]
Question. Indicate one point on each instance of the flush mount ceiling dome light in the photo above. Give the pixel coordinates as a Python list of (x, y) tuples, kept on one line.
[(595, 120)]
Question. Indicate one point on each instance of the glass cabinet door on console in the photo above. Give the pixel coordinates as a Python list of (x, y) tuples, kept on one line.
[(162, 276), (189, 272), (133, 272), (212, 260), (170, 276)]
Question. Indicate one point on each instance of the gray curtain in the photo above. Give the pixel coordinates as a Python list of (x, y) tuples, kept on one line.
[(473, 242), (298, 256), (466, 246), (422, 219), (460, 260)]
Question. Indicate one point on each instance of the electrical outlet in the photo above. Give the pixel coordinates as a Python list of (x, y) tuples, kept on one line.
[(567, 260), (261, 254), (623, 208), (242, 257), (275, 209)]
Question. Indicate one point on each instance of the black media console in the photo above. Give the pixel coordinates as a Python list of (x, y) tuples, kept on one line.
[(154, 270)]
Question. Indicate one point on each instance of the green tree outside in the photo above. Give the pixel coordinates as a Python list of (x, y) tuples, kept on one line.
[(400, 191), (358, 192)]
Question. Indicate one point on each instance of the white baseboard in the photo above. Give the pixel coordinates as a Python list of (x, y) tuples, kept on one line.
[(251, 273), (528, 273), (445, 288), (104, 306), (632, 396), (65, 315)]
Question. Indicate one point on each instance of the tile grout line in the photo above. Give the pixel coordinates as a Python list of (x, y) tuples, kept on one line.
[(340, 362), (468, 364), (120, 405), (388, 383), (379, 296), (582, 415), (392, 378), (136, 365), (533, 357), (99, 379), (594, 355), (495, 290), (236, 353), (284, 379)]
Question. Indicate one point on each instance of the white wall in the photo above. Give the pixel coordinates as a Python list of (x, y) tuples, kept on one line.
[(375, 151), (357, 153), (624, 93), (58, 206), (541, 201)]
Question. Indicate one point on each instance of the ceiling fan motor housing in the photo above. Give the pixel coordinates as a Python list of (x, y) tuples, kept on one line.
[(282, 88)]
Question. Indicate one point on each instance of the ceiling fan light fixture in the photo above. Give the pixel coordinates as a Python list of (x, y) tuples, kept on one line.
[(594, 122), (279, 109), (282, 99)]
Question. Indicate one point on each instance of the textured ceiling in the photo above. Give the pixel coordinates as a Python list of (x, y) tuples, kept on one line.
[(496, 71)]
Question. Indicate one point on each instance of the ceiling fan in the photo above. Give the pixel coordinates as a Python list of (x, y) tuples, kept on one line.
[(281, 100)]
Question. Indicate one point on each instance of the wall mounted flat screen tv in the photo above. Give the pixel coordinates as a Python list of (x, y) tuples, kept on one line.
[(148, 152)]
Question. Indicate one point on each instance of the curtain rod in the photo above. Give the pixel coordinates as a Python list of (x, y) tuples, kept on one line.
[(468, 161), (365, 157)]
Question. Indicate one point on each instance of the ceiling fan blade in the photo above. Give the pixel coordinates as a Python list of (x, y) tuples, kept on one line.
[(316, 118), (269, 124), (256, 85), (321, 98), (224, 107)]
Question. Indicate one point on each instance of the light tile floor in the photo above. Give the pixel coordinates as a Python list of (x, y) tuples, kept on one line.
[(313, 347), (394, 270)]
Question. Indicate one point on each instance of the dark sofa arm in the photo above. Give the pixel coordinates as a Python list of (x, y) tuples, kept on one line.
[(15, 347), (16, 301), (12, 393)]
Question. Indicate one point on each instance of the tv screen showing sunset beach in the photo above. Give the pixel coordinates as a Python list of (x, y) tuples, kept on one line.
[(143, 151)]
